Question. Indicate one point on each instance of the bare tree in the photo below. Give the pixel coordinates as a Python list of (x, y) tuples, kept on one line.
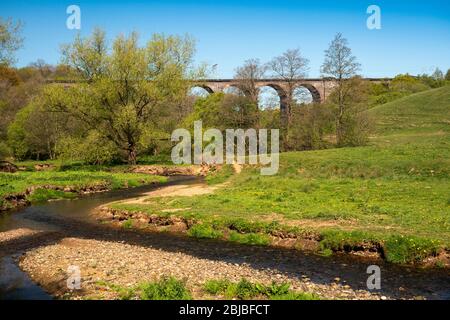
[(247, 75), (44, 68), (291, 66), (341, 65)]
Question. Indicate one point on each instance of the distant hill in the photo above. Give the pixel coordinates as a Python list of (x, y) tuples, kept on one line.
[(420, 113)]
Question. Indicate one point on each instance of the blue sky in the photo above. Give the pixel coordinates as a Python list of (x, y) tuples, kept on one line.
[(415, 35)]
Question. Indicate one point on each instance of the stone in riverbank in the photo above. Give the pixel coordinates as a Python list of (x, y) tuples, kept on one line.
[(6, 166)]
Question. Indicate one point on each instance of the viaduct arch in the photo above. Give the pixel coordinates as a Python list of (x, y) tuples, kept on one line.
[(319, 88)]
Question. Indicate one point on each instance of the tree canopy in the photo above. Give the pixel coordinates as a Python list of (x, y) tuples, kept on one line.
[(127, 88)]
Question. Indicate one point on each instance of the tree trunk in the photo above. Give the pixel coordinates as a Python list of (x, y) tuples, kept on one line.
[(339, 132), (132, 154)]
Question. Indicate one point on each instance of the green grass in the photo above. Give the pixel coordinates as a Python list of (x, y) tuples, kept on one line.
[(219, 176), (204, 231), (167, 288), (418, 113), (41, 195), (400, 249), (76, 179), (170, 288), (128, 224), (396, 186), (246, 290), (249, 238)]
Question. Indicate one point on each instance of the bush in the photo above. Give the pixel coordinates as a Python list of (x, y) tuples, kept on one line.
[(405, 83), (168, 288), (92, 149), (308, 126)]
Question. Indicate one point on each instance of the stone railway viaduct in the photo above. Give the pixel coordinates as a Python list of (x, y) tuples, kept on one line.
[(320, 88)]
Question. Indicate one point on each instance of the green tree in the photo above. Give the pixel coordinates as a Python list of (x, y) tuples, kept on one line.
[(35, 131), (10, 40), (224, 111), (341, 65), (447, 75), (355, 123), (91, 148), (128, 88), (407, 84), (309, 126)]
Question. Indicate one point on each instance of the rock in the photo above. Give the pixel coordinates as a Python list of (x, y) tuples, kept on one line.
[(43, 166), (9, 167)]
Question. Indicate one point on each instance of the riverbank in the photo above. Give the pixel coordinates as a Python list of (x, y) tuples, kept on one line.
[(148, 212), (39, 181), (115, 261)]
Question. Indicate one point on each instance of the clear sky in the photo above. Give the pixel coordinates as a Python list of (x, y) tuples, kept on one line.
[(414, 38)]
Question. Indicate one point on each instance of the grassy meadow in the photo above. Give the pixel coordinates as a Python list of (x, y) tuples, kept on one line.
[(395, 191)]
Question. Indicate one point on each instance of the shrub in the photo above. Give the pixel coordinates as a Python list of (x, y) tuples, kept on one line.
[(308, 126), (92, 149)]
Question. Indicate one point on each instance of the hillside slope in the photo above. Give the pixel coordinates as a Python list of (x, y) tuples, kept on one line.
[(423, 112)]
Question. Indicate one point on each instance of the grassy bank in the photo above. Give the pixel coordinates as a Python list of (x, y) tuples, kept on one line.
[(60, 182), (392, 194)]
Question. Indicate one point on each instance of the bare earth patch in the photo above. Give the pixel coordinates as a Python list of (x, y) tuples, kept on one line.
[(173, 191)]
